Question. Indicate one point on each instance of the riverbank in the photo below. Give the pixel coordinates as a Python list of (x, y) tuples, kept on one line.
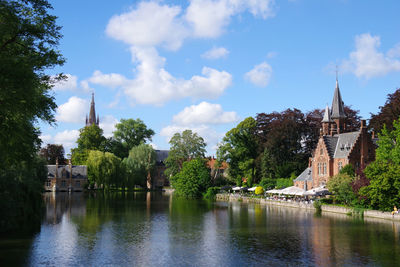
[(308, 206)]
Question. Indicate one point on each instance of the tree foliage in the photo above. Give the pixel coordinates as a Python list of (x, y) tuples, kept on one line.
[(90, 138), (140, 165), (192, 180), (239, 149), (387, 113), (184, 147), (104, 169), (383, 192), (52, 152), (128, 134), (341, 186), (28, 46)]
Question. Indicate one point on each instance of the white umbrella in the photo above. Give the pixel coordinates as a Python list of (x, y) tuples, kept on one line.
[(252, 189), (237, 188), (293, 190)]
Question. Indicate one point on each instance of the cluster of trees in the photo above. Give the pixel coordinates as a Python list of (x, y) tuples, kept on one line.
[(28, 47), (274, 145), (119, 162)]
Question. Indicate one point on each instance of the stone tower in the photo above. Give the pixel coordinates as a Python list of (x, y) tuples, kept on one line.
[(337, 111), (92, 114)]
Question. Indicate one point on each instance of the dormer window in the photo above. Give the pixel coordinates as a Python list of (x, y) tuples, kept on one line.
[(342, 147)]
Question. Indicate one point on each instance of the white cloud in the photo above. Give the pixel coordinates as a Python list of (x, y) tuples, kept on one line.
[(67, 138), (72, 111), (215, 53), (69, 84), (109, 80), (154, 85), (107, 123), (260, 75), (46, 139), (208, 18), (150, 24), (367, 62), (204, 113)]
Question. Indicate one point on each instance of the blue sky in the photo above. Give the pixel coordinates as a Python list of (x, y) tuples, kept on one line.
[(206, 65)]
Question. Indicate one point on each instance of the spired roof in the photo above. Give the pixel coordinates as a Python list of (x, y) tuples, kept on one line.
[(92, 114), (306, 175), (327, 115), (337, 111)]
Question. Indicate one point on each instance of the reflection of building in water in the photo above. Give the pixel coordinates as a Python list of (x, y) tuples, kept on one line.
[(66, 177), (58, 205)]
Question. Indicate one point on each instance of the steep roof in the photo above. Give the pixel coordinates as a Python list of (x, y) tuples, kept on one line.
[(327, 115), (337, 110), (330, 143), (161, 155), (306, 175), (345, 143)]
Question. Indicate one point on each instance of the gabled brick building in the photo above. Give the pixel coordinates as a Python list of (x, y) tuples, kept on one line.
[(336, 147)]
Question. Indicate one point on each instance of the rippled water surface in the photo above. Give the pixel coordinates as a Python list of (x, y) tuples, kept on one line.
[(154, 229)]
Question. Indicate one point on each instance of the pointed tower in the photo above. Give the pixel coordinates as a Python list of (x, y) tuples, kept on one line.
[(337, 110), (326, 121), (92, 114)]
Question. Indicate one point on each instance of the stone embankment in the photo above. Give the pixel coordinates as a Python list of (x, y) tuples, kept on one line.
[(308, 206)]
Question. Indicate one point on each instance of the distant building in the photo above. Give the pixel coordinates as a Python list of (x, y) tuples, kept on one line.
[(336, 147), (66, 177), (92, 114), (159, 179)]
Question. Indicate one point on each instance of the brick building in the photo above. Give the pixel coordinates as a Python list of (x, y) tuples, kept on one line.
[(336, 147), (66, 177)]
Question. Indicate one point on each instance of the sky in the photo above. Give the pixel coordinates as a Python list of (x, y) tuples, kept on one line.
[(205, 65)]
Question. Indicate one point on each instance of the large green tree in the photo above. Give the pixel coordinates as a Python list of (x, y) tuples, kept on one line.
[(90, 138), (192, 180), (239, 149), (383, 192), (184, 147), (104, 169), (140, 165), (128, 134), (28, 47)]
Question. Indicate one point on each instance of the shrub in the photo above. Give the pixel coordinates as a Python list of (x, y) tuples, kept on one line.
[(211, 192), (284, 182), (340, 185), (259, 190), (268, 183)]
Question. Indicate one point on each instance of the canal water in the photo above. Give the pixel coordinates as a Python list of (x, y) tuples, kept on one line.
[(155, 229)]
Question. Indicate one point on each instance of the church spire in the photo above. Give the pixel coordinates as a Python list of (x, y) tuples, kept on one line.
[(327, 115), (92, 114), (337, 110)]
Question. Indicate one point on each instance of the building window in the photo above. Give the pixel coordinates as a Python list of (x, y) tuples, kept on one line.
[(78, 183), (325, 171), (319, 168), (48, 183), (340, 165), (62, 183)]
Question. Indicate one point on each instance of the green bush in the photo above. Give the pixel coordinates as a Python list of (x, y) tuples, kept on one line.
[(211, 192), (268, 183), (340, 186), (326, 200), (284, 182), (317, 205)]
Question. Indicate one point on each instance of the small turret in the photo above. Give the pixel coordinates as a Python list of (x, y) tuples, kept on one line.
[(326, 121)]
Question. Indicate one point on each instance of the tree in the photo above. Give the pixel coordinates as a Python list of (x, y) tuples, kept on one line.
[(387, 113), (28, 47), (184, 147), (140, 164), (53, 152), (348, 169), (340, 185), (239, 150), (383, 192), (90, 138), (104, 169), (192, 180), (128, 134)]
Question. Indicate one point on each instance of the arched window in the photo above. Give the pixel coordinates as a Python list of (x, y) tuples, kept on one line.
[(325, 170)]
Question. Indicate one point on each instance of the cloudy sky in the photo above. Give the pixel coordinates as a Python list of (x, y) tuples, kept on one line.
[(207, 64)]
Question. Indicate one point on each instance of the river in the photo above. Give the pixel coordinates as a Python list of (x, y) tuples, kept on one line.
[(155, 229)]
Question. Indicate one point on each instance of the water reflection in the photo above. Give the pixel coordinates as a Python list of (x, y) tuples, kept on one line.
[(152, 229)]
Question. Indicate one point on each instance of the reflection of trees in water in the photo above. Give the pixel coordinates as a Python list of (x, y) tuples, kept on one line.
[(337, 238)]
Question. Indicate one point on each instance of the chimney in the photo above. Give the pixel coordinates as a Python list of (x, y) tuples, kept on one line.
[(309, 162), (363, 123), (56, 168), (373, 134)]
